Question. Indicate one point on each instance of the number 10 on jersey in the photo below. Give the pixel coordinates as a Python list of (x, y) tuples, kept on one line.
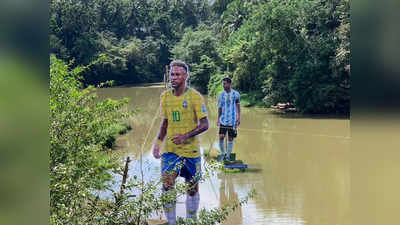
[(176, 116)]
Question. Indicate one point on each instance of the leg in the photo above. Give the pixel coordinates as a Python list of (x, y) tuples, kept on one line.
[(192, 200), (169, 174), (169, 180), (222, 132), (192, 174), (168, 186), (231, 136), (222, 144)]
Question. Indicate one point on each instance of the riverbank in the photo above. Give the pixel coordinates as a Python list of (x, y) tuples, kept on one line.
[(250, 100), (115, 131)]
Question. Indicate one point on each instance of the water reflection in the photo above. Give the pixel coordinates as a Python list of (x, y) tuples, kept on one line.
[(228, 195), (299, 165)]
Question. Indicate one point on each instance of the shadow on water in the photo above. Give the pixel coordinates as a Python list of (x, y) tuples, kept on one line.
[(310, 116), (253, 170)]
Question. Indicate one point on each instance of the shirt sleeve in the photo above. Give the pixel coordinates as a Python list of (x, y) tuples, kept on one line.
[(219, 105), (200, 107), (163, 110)]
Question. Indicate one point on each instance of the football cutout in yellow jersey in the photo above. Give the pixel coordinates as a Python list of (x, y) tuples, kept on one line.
[(183, 113)]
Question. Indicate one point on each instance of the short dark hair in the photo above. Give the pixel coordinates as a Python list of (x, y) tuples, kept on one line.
[(227, 79)]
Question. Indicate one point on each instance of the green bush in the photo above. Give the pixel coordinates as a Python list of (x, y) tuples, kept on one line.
[(80, 126)]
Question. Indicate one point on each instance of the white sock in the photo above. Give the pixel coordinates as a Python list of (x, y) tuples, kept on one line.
[(192, 205), (230, 147), (222, 147), (170, 213)]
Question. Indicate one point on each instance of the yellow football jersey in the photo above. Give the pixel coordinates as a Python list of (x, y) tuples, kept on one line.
[(183, 113)]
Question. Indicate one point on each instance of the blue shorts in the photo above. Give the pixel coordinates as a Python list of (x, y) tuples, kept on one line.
[(189, 168)]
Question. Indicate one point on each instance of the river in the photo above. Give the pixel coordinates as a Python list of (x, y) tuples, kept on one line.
[(298, 165)]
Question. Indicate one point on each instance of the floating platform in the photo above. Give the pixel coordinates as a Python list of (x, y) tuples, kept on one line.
[(236, 166), (233, 163)]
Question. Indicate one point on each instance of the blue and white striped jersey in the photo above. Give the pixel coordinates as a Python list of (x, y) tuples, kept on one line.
[(227, 101)]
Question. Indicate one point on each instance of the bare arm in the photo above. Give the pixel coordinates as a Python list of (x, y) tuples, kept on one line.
[(161, 135), (201, 127), (238, 114), (163, 130), (219, 116)]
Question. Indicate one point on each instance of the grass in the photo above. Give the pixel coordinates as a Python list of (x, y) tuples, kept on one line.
[(235, 170)]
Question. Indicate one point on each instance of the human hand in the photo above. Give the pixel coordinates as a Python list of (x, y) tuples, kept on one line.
[(179, 139), (156, 151), (238, 122), (218, 123)]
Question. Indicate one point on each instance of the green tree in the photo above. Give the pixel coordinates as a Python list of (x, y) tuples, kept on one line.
[(287, 50), (319, 86), (82, 30), (201, 73), (219, 6), (114, 16), (232, 18), (198, 48), (215, 84), (126, 61), (75, 24)]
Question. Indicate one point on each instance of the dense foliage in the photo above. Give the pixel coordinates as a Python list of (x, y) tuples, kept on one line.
[(294, 51), (135, 35), (289, 52), (79, 129), (199, 49)]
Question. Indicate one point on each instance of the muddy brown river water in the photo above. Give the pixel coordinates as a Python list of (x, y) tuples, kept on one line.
[(298, 165)]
